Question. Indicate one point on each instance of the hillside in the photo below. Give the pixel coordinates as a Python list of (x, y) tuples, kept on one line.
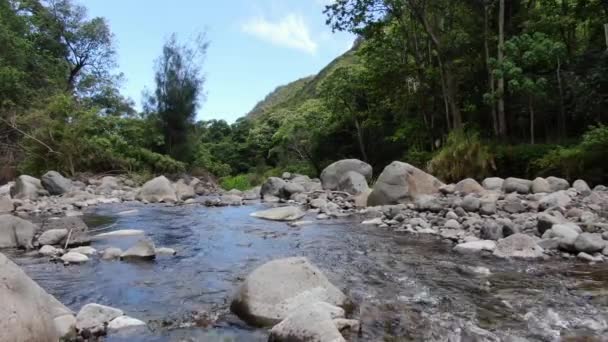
[(295, 93)]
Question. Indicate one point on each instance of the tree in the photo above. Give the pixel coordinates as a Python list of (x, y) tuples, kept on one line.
[(179, 92)]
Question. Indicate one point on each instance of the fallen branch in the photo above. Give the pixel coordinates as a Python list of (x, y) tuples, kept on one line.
[(25, 134), (67, 241)]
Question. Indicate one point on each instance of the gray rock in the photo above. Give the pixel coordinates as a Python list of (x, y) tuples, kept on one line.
[(452, 224), (52, 236), (124, 322), (157, 190), (428, 203), (74, 258), (86, 250), (491, 230), (589, 258), (183, 191), (567, 233), (332, 175), (6, 205), (316, 322), (55, 183), (28, 312), (589, 243), (252, 194), (143, 249), (233, 200), (402, 182), (518, 246), (16, 232), (276, 289), (272, 187), (165, 251), (471, 203), (47, 250), (354, 183), (26, 187), (558, 184), (450, 215), (95, 316), (488, 205), (493, 183), (475, 246), (540, 185), (556, 199), (291, 188), (318, 203), (513, 206), (548, 244), (107, 184), (447, 189), (469, 186), (287, 175), (289, 213), (521, 186), (582, 187), (111, 253), (546, 221)]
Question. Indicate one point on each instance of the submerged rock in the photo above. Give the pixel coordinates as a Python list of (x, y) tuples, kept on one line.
[(276, 289), (400, 182), (143, 249), (16, 232), (280, 214), (28, 312)]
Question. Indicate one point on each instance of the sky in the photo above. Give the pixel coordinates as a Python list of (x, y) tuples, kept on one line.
[(255, 45)]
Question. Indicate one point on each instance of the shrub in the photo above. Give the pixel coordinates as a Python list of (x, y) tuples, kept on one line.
[(464, 155), (239, 182), (519, 160)]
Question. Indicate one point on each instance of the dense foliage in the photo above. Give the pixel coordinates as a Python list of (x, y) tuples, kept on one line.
[(462, 88)]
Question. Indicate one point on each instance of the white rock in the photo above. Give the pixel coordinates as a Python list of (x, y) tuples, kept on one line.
[(52, 236), (48, 250), (119, 233), (111, 253), (143, 249), (373, 222), (289, 213), (124, 322), (93, 316), (75, 258), (165, 251), (86, 250), (475, 246)]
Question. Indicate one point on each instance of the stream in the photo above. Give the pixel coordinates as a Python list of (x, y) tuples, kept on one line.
[(405, 287)]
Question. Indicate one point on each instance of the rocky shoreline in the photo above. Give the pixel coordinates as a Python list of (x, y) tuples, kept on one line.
[(510, 218)]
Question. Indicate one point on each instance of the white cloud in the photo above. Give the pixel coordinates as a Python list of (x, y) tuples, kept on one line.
[(290, 31)]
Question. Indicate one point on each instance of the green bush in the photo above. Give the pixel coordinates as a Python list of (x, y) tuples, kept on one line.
[(464, 155), (239, 182), (519, 160)]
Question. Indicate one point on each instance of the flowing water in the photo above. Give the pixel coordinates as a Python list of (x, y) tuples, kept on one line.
[(405, 287)]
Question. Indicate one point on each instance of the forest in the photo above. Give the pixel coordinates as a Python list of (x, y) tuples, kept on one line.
[(461, 88)]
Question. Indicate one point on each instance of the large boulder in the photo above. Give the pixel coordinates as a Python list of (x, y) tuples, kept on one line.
[(27, 187), (55, 183), (582, 187), (469, 186), (354, 183), (52, 236), (183, 191), (493, 183), (158, 189), (291, 189), (521, 186), (6, 205), (95, 316), (332, 175), (540, 185), (276, 289), (400, 182), (566, 233), (16, 232), (27, 312), (557, 184), (589, 243), (289, 213), (556, 199), (518, 246), (272, 187)]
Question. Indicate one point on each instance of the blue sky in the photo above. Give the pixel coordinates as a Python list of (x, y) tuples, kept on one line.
[(256, 45)]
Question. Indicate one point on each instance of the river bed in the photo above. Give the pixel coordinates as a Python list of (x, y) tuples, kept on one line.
[(405, 287)]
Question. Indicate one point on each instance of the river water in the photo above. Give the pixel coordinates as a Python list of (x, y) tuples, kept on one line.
[(405, 287)]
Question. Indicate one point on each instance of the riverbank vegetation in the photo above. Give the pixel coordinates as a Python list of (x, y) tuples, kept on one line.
[(461, 88)]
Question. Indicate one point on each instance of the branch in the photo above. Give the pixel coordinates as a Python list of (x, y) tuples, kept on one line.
[(13, 126)]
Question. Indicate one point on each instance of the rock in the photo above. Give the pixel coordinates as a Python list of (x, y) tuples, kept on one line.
[(589, 243), (488, 205), (450, 215), (513, 206), (493, 183), (546, 221), (582, 187), (6, 205), (280, 214), (157, 190), (291, 189), (452, 224), (469, 186), (74, 224), (333, 174), (165, 251), (55, 183), (556, 199), (252, 194), (361, 199), (589, 258), (491, 230), (558, 184), (108, 183), (28, 313), (111, 253), (52, 236), (95, 316), (183, 191), (470, 203), (272, 187), (547, 244), (447, 189), (124, 322), (521, 186), (26, 187), (286, 175), (428, 203), (354, 183), (475, 246), (567, 234), (540, 185), (16, 232), (373, 222), (401, 182), (86, 250), (274, 290), (74, 258), (47, 250), (118, 234), (518, 246), (143, 249), (318, 203), (312, 322), (232, 200)]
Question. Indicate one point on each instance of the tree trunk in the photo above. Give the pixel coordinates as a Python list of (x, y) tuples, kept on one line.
[(360, 139), (606, 34), (444, 90), (502, 122), (489, 67), (562, 109), (531, 109)]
